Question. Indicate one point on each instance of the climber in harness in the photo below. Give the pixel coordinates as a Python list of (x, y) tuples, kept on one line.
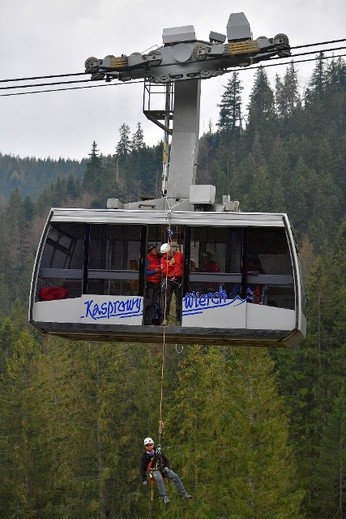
[(154, 465)]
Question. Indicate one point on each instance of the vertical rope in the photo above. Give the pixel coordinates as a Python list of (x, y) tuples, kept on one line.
[(161, 423)]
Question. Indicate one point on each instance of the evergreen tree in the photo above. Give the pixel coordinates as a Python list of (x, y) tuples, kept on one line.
[(261, 106), (286, 93), (312, 380), (329, 477), (336, 75), (123, 147), (137, 142), (318, 79), (230, 116), (23, 464), (228, 407), (93, 177)]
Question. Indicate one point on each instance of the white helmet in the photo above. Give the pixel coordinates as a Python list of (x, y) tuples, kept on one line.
[(165, 247), (148, 440)]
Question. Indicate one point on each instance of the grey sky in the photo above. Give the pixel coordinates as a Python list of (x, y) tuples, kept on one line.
[(42, 37)]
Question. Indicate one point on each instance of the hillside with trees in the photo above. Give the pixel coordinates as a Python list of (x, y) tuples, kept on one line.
[(254, 433)]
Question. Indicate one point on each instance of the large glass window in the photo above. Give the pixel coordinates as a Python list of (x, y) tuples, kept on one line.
[(88, 258), (251, 262), (61, 269), (269, 276), (114, 259), (215, 260)]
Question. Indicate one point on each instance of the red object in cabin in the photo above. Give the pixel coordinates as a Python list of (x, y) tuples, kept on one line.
[(51, 293)]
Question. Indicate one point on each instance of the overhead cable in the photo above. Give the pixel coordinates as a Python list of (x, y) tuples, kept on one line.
[(240, 69), (53, 76), (42, 77), (70, 88)]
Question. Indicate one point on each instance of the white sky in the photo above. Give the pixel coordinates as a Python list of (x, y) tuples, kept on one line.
[(42, 37)]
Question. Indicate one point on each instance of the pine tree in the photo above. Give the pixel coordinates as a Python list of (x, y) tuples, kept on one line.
[(137, 142), (261, 106), (287, 93), (93, 177), (240, 459), (230, 116), (23, 475), (123, 147), (318, 79)]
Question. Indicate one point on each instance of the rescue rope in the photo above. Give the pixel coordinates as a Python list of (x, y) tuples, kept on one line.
[(161, 423), (165, 322)]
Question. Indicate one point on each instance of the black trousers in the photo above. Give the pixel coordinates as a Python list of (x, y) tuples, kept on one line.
[(176, 288), (151, 302)]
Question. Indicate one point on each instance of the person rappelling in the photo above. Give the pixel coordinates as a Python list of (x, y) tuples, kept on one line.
[(155, 465)]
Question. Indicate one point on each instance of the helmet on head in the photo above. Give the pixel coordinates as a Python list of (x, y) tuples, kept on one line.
[(165, 247), (148, 440)]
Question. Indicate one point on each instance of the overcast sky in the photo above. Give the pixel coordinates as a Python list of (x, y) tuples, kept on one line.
[(42, 37)]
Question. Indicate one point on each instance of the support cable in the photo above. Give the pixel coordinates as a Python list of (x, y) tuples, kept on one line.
[(53, 76), (240, 69)]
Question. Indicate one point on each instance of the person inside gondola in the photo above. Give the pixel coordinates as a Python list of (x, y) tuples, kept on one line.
[(154, 465), (253, 264), (255, 292), (153, 287), (210, 265), (172, 270)]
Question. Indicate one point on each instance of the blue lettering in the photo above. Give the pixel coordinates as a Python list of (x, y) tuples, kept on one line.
[(88, 305), (202, 300), (123, 308), (195, 303)]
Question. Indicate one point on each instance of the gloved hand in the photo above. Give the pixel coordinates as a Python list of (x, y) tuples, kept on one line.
[(165, 470), (145, 483)]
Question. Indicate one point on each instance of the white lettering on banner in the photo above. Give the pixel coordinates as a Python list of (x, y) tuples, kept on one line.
[(196, 303), (121, 308)]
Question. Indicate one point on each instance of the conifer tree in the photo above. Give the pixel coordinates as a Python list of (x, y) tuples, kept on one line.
[(286, 92), (230, 115), (137, 142), (123, 147), (318, 79), (23, 464), (261, 106), (92, 181), (230, 423)]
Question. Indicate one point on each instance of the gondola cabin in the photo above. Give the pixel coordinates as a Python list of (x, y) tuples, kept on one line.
[(89, 279)]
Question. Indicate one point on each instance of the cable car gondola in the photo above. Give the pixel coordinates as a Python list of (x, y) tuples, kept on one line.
[(89, 277)]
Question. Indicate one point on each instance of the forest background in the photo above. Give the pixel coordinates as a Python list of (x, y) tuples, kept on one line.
[(254, 433)]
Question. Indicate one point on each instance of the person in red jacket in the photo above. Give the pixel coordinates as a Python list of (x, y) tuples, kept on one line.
[(153, 287), (172, 263), (210, 265)]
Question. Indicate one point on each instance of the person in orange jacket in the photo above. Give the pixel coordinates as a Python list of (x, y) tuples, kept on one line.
[(172, 264)]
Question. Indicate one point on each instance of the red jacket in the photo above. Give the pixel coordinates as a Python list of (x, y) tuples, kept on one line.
[(172, 267), (153, 263)]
